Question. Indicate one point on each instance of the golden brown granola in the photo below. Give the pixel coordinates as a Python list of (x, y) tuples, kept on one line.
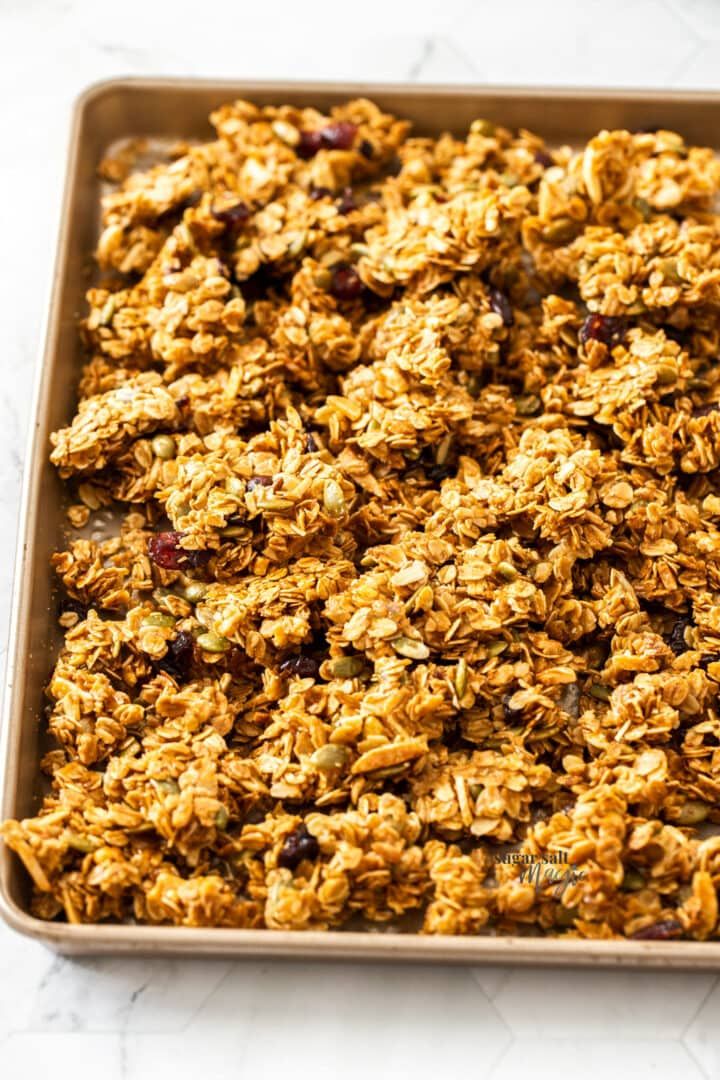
[(415, 606)]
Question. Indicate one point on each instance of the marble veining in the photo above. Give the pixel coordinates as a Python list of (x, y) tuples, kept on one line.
[(137, 1018)]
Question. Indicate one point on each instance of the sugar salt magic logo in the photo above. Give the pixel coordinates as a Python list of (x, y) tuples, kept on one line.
[(545, 870)]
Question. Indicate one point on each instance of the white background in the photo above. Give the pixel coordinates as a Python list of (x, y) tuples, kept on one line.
[(146, 1018)]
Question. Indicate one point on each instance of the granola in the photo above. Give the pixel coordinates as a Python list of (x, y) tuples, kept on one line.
[(415, 443)]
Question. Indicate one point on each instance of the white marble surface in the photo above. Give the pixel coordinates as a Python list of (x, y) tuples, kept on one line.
[(134, 1019)]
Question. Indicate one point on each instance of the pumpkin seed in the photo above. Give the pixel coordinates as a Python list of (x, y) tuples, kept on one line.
[(83, 843), (158, 618), (600, 692), (412, 648), (213, 643), (693, 812), (221, 819), (507, 570), (483, 127), (345, 667), (632, 881), (330, 757), (461, 677), (333, 498), (195, 592), (497, 647)]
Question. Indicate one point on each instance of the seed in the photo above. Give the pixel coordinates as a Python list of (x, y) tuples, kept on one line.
[(330, 757), (333, 498), (632, 880), (643, 208), (213, 643), (507, 570), (286, 132), (565, 916), (412, 648), (195, 592), (163, 446), (82, 843), (693, 812), (461, 677), (233, 530), (497, 647), (106, 312), (157, 618), (483, 127), (600, 692), (346, 283), (666, 374), (166, 787), (561, 231), (345, 667), (502, 307), (306, 667), (528, 404), (299, 845), (221, 819), (608, 329)]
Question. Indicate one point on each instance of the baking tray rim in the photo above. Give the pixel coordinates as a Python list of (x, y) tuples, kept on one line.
[(89, 939)]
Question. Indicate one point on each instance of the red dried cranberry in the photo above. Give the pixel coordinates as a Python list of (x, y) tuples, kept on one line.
[(309, 144), (501, 306), (339, 135), (178, 658), (166, 551), (609, 329), (346, 203), (659, 931), (346, 283), (232, 216), (320, 193), (306, 667), (259, 481), (299, 845), (543, 158)]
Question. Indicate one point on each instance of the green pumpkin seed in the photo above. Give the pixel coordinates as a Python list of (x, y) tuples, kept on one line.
[(166, 787), (693, 812), (561, 231), (527, 404), (195, 592), (600, 692), (507, 570), (158, 618), (213, 643), (333, 498), (413, 648), (345, 667), (632, 881), (461, 677), (483, 127), (330, 757), (221, 819), (497, 647)]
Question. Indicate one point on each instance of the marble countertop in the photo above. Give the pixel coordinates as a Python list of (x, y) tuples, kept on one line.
[(136, 1018)]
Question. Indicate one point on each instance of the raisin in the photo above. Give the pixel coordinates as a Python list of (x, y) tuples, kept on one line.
[(501, 306), (232, 216), (367, 149), (259, 481), (299, 845), (309, 144), (346, 203), (659, 931), (306, 667), (543, 158), (320, 193), (178, 658), (676, 641)]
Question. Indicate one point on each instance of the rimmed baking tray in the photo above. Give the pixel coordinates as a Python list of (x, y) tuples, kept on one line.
[(174, 108)]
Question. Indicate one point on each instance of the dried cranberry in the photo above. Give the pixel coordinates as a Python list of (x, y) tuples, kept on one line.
[(178, 658), (320, 193), (309, 144), (339, 135), (706, 410), (659, 931), (306, 667), (543, 158), (501, 306), (166, 551), (346, 283), (259, 481), (367, 149), (232, 216), (609, 329), (676, 641), (346, 203), (299, 845)]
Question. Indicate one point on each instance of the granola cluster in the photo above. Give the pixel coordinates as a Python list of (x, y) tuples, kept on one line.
[(416, 443)]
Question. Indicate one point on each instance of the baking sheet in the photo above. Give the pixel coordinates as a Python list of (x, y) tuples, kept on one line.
[(171, 109)]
